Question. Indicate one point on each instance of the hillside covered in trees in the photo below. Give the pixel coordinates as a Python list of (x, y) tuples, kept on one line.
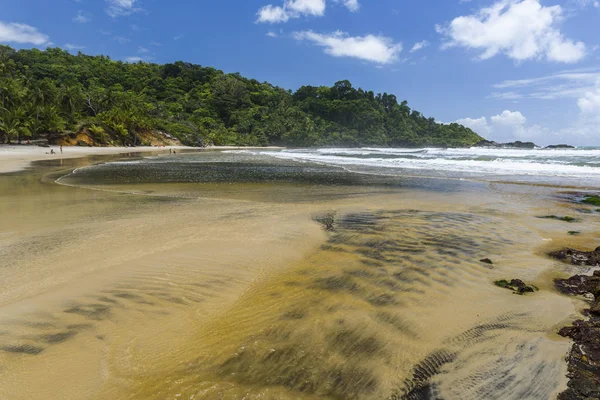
[(57, 95)]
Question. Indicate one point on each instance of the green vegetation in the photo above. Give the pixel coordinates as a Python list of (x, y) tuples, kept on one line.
[(564, 219), (591, 199), (517, 286), (54, 94)]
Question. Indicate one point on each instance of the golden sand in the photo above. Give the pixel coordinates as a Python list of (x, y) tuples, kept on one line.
[(235, 292)]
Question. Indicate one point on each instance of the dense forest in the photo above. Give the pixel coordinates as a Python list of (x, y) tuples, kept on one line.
[(54, 94)]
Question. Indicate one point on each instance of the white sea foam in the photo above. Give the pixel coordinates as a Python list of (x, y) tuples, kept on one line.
[(566, 164)]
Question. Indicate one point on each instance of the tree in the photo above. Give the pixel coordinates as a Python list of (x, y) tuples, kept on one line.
[(52, 92), (13, 123)]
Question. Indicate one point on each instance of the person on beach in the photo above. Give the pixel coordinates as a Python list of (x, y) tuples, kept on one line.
[(61, 149), (52, 151)]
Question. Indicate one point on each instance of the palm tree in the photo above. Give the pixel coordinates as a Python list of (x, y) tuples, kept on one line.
[(12, 123)]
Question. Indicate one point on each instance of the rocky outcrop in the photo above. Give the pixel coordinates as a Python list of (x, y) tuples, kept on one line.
[(578, 257), (584, 357), (559, 146), (510, 145)]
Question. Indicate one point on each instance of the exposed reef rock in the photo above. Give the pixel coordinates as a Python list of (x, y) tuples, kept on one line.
[(584, 357), (578, 257), (517, 286), (515, 145)]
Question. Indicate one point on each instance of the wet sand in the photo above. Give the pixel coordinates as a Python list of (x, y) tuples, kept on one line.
[(233, 290)]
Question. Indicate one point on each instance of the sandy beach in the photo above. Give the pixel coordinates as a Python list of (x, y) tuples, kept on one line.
[(18, 157), (210, 275)]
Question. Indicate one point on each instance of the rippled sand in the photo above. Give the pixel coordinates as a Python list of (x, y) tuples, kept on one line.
[(215, 290)]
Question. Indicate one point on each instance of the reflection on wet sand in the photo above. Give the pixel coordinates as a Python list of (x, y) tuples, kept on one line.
[(236, 291)]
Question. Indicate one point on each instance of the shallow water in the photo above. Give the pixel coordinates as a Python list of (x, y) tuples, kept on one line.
[(167, 278)]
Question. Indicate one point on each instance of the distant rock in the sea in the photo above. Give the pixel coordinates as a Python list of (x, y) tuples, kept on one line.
[(510, 145), (560, 146)]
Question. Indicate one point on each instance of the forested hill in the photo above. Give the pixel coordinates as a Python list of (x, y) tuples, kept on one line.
[(55, 94)]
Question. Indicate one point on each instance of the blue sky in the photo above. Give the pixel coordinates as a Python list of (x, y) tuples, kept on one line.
[(510, 69)]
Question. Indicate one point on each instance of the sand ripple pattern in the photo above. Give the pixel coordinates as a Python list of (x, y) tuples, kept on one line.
[(364, 318)]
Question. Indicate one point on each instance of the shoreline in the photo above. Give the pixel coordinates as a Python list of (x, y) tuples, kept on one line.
[(18, 157)]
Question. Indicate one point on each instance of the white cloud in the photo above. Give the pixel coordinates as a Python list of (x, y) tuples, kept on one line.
[(272, 14), (72, 47), (520, 29), (507, 126), (589, 104), (142, 49), (509, 118), (352, 5), (272, 34), (585, 3), (565, 84), (294, 9), (478, 125), (133, 59), (81, 18), (307, 7), (119, 8), (21, 33), (419, 45), (377, 49)]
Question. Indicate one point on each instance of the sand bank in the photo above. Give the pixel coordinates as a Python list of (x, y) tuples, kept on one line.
[(18, 157)]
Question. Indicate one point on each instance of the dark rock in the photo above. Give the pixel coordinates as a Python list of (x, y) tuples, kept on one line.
[(578, 285), (584, 357), (520, 145), (515, 145), (577, 257), (559, 146), (486, 261), (564, 219), (583, 360)]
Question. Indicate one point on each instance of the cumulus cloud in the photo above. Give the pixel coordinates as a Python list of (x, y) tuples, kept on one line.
[(589, 104), (272, 14), (419, 45), (351, 5), (119, 8), (133, 59), (21, 33), (520, 29), (276, 14), (478, 125), (306, 7), (376, 49), (506, 126), (509, 118)]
